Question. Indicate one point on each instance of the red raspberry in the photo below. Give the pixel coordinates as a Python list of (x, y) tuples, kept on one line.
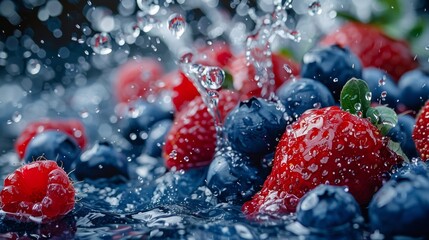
[(374, 48), (325, 146), (40, 189), (137, 79), (72, 127), (191, 141), (421, 132), (244, 76)]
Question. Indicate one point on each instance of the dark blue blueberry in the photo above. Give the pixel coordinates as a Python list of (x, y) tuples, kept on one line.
[(402, 133), (414, 88), (255, 126), (401, 207), (333, 66), (103, 160), (383, 88), (303, 94), (329, 208), (139, 118), (156, 138), (53, 145), (416, 167), (232, 177)]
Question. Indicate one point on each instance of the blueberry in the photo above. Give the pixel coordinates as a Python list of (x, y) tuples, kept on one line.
[(329, 208), (103, 160), (139, 118), (402, 133), (414, 88), (255, 126), (383, 88), (416, 167), (156, 138), (401, 207), (232, 177), (53, 145), (333, 66), (303, 94)]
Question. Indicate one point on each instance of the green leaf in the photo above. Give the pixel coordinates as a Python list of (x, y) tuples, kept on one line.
[(383, 118), (396, 147), (355, 97), (392, 12), (228, 83)]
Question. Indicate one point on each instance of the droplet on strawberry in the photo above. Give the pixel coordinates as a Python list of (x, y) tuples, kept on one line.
[(39, 190), (72, 127), (191, 141), (421, 132), (325, 146)]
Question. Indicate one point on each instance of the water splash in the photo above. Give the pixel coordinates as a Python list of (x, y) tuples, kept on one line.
[(101, 43), (258, 45), (176, 25)]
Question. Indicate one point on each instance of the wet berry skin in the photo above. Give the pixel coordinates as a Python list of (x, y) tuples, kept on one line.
[(421, 132), (325, 146), (137, 120), (255, 126), (103, 160), (53, 145), (327, 208), (416, 167), (303, 94), (414, 88), (383, 88), (402, 133), (157, 137), (72, 127), (232, 177), (401, 207), (39, 189), (333, 66)]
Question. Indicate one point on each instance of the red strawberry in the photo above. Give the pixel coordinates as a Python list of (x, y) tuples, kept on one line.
[(325, 146), (191, 141), (137, 78), (72, 127), (216, 54), (421, 132), (40, 189), (374, 48), (180, 88), (244, 76)]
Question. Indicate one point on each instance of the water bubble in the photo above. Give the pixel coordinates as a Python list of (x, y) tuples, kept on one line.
[(314, 8), (384, 94), (212, 78), (148, 6), (101, 43), (176, 25), (335, 80), (33, 66), (368, 96)]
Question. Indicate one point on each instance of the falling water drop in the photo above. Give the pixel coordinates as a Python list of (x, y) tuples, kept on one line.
[(101, 43), (314, 8), (212, 78), (176, 25), (33, 66)]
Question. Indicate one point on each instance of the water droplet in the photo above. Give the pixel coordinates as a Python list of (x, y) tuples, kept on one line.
[(317, 105), (314, 8), (84, 114), (176, 25), (16, 117), (173, 154), (33, 66), (148, 6), (427, 48), (101, 43), (145, 22), (287, 68), (186, 58), (212, 77), (357, 106), (382, 81), (335, 80), (368, 96), (384, 94), (294, 35), (120, 38)]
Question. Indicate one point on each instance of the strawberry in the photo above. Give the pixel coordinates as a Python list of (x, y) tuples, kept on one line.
[(180, 88), (421, 132), (137, 78), (284, 69), (40, 189), (325, 146), (72, 127), (374, 48), (191, 141)]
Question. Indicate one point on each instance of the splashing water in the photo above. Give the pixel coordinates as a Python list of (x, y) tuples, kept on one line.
[(176, 25), (101, 43)]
